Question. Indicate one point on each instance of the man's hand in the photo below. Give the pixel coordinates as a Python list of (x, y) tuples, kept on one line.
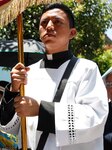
[(18, 76), (26, 106)]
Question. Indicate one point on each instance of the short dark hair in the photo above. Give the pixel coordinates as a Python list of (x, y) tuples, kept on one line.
[(64, 8)]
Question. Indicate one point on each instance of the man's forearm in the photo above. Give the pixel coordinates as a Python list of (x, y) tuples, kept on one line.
[(7, 109)]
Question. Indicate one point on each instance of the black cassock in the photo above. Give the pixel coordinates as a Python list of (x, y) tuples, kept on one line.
[(108, 130)]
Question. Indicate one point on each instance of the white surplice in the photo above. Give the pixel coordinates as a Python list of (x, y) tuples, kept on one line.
[(80, 115)]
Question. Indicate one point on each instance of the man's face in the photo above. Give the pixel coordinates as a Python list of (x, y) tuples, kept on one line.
[(109, 86), (55, 31)]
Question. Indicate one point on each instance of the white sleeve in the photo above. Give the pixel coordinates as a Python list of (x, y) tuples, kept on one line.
[(13, 126), (83, 119)]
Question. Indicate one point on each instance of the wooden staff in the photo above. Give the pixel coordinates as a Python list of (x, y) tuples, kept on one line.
[(22, 91)]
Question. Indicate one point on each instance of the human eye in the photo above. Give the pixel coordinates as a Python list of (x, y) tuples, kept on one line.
[(58, 22), (44, 23)]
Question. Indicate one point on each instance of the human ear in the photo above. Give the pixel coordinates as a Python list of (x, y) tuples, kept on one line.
[(73, 33)]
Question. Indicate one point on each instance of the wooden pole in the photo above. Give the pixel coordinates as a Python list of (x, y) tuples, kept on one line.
[(21, 59)]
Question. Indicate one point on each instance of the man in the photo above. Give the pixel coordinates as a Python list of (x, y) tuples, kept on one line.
[(2, 87), (107, 77), (8, 141), (77, 121)]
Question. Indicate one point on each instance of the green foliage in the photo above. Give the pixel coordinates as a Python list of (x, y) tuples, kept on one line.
[(9, 32), (104, 61), (6, 68), (92, 18), (31, 18)]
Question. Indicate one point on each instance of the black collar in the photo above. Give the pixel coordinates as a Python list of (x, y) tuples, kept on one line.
[(56, 60)]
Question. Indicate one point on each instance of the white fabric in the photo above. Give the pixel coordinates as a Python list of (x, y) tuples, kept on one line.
[(82, 110), (12, 126)]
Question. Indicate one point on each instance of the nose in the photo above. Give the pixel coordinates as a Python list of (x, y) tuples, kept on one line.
[(50, 25)]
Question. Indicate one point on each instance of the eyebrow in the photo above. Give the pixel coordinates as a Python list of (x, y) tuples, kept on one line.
[(56, 17)]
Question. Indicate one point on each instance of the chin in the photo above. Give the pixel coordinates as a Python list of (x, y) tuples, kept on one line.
[(50, 43)]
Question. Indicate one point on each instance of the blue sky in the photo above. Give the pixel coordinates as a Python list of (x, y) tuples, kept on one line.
[(109, 33), (4, 75)]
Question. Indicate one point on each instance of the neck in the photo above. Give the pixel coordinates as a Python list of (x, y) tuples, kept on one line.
[(56, 49)]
